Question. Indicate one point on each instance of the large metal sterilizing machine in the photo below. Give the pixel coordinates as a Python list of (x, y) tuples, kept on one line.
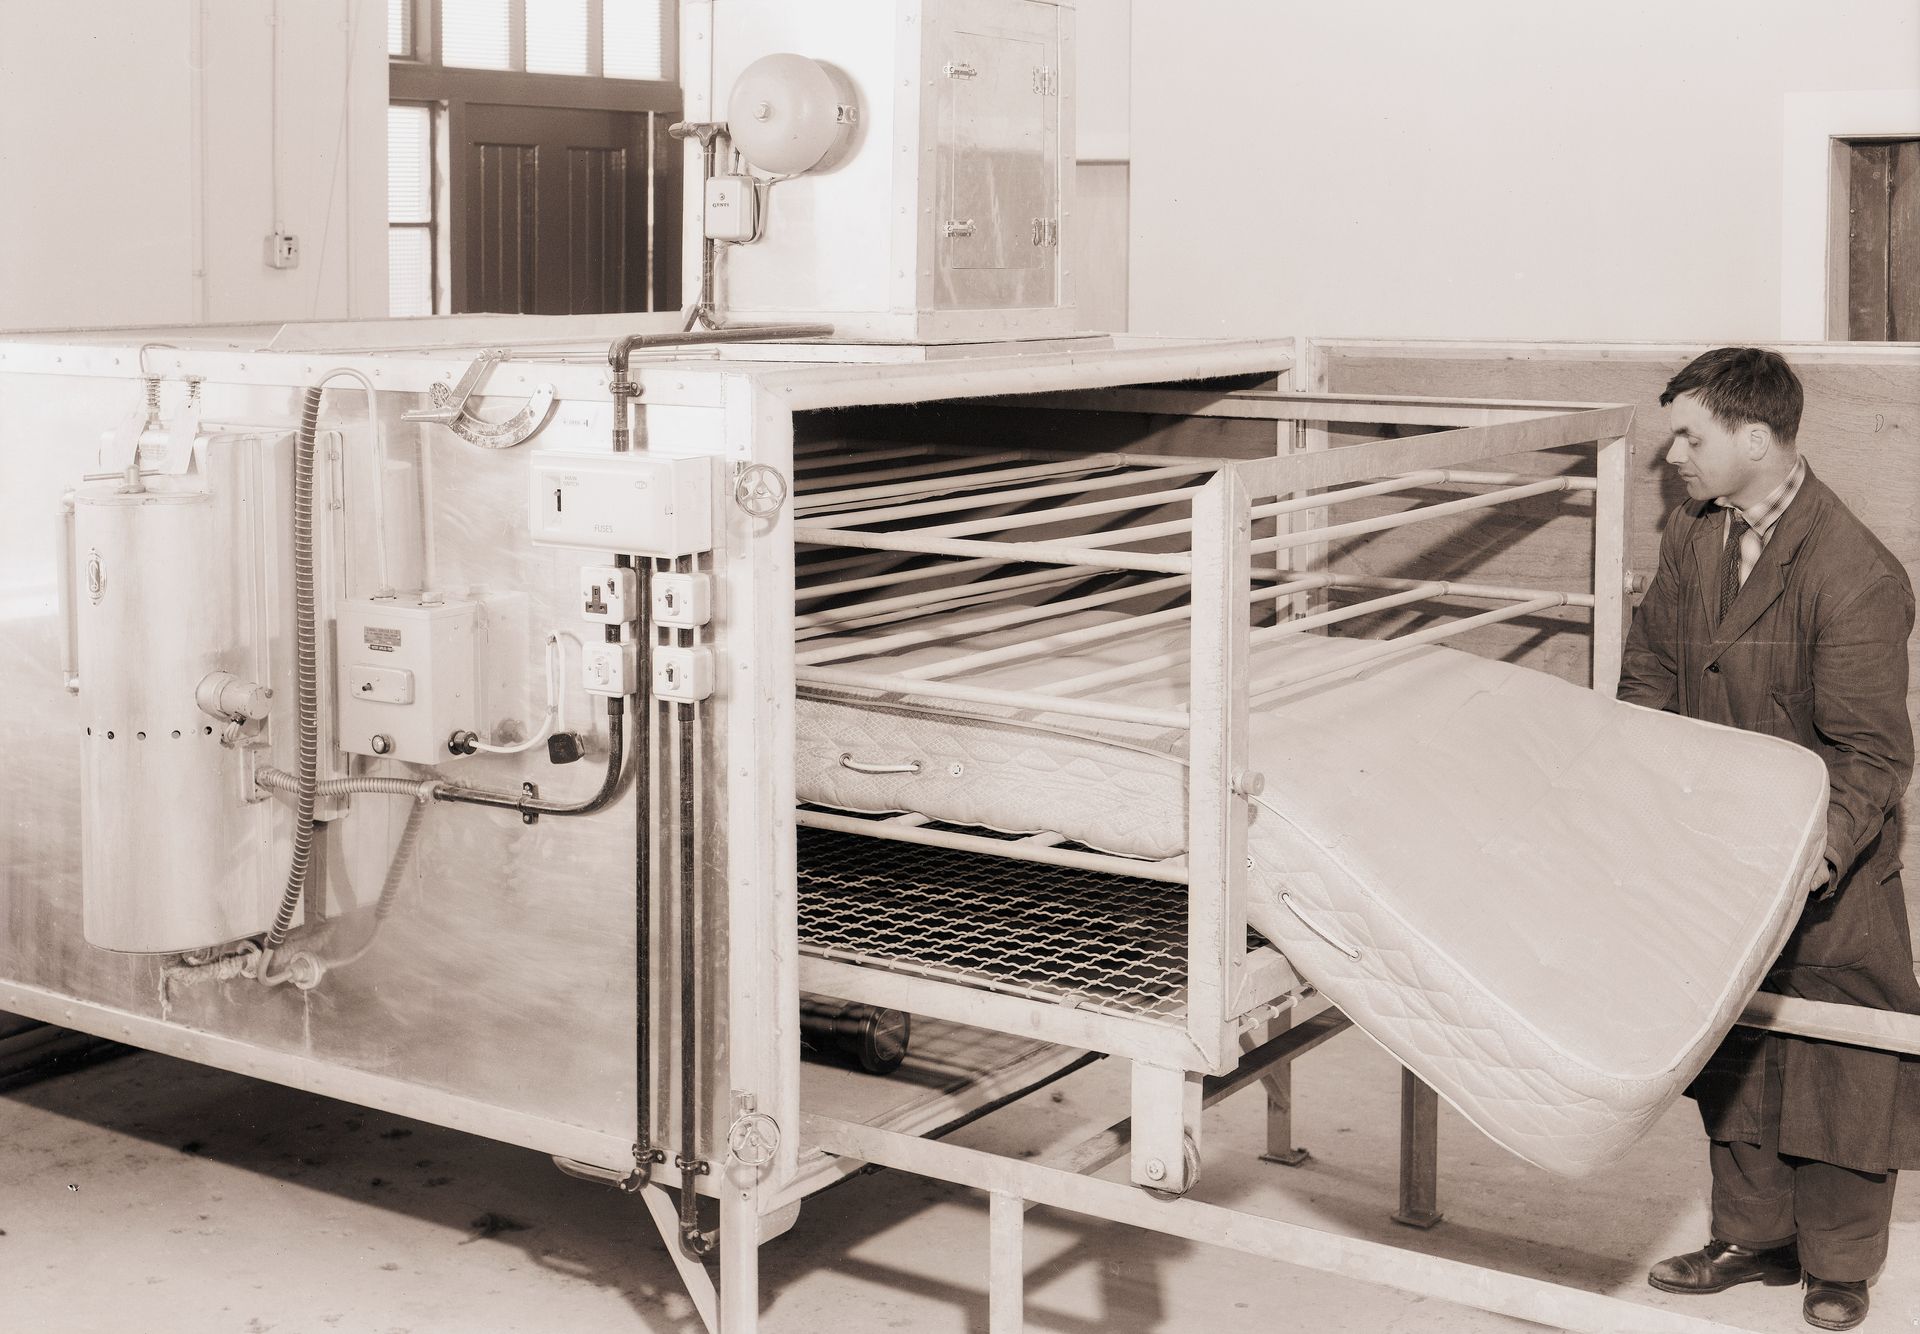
[(406, 710), (448, 766)]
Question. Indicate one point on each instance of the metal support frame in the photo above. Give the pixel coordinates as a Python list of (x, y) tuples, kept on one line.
[(1064, 1182), (1250, 1234), (1419, 1153), (1280, 1150), (1165, 1152), (1006, 1274)]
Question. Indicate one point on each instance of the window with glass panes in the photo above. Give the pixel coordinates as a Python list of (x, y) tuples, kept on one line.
[(411, 275), (613, 39)]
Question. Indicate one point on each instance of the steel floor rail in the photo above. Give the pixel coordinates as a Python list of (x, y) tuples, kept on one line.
[(1012, 1183)]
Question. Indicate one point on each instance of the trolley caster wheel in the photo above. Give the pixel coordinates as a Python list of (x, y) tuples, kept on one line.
[(1190, 1159)]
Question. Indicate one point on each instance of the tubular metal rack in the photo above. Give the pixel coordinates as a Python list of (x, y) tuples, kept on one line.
[(1211, 568)]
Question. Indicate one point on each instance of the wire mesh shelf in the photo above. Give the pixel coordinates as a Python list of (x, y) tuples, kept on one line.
[(1113, 944)]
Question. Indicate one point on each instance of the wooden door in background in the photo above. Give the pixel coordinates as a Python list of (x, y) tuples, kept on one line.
[(1883, 239), (561, 211)]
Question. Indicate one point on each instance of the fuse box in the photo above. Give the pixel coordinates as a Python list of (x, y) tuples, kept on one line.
[(641, 503)]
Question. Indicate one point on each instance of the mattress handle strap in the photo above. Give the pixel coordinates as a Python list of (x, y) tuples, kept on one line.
[(1286, 901), (861, 767)]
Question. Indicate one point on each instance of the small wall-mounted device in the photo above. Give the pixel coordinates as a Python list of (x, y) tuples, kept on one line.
[(733, 208), (283, 250)]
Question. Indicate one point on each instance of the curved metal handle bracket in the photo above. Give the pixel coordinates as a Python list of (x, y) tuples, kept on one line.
[(450, 408)]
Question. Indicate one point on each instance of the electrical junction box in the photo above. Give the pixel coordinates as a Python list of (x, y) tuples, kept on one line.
[(684, 600), (641, 503), (683, 674), (733, 208), (408, 676), (609, 669)]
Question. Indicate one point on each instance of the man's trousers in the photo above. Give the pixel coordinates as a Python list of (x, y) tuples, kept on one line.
[(1763, 1198)]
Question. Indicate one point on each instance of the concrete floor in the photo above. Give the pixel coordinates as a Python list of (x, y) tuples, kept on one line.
[(155, 1196)]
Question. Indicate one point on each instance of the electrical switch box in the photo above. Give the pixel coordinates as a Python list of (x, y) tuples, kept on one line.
[(684, 600), (733, 209), (609, 669), (609, 594), (684, 674), (408, 676), (641, 503)]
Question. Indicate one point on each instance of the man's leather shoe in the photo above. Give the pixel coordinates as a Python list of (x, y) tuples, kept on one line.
[(1832, 1304), (1719, 1265)]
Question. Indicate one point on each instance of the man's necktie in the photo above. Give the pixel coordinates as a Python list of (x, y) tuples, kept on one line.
[(1730, 563)]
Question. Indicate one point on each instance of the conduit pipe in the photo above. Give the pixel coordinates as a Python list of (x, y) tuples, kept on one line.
[(621, 352), (532, 807), (696, 1242), (645, 1155), (380, 474)]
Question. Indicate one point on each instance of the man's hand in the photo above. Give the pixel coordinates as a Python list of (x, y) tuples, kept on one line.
[(1821, 878)]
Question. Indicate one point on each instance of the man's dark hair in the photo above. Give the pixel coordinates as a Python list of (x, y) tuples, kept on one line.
[(1743, 384)]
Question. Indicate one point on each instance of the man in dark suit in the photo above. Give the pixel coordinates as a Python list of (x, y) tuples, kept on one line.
[(1775, 610)]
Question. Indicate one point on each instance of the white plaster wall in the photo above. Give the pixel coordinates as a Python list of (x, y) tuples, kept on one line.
[(1103, 65), (1584, 169), (98, 158)]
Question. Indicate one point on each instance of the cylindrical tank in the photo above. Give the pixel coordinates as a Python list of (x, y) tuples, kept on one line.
[(864, 1035), (171, 851)]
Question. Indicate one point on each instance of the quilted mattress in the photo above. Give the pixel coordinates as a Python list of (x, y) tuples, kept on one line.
[(1547, 904)]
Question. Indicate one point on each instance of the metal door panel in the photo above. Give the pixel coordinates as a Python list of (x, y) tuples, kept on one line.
[(993, 133), (996, 138)]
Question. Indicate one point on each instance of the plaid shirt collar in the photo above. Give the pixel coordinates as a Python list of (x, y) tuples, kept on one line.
[(1762, 517)]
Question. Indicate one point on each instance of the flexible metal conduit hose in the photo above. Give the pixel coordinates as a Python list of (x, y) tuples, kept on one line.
[(306, 677), (306, 968), (280, 780)]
